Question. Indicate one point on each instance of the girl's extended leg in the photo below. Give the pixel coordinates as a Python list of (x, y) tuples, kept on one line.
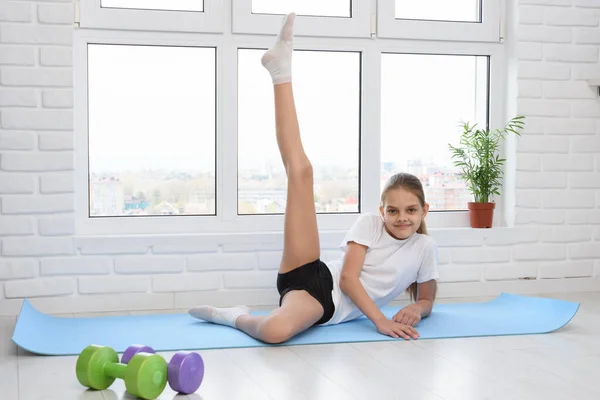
[(300, 233), (298, 310)]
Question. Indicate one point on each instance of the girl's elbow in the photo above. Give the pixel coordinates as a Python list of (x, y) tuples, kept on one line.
[(346, 281)]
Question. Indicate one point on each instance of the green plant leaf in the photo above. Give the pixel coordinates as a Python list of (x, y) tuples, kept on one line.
[(478, 158)]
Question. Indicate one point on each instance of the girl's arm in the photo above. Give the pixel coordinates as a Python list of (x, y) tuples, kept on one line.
[(412, 313), (426, 288), (351, 285)]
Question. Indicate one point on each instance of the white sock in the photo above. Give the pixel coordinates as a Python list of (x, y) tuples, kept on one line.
[(223, 316), (278, 59)]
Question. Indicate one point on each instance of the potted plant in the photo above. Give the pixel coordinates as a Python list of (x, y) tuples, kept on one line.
[(478, 158)]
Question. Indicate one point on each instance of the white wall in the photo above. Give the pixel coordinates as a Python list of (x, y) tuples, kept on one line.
[(554, 247)]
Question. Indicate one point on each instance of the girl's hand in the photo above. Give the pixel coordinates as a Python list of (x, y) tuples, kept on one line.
[(409, 315), (396, 330)]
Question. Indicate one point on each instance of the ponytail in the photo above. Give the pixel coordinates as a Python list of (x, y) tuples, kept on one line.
[(422, 228)]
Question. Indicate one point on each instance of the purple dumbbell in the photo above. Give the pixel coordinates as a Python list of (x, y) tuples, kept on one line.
[(133, 350), (185, 370)]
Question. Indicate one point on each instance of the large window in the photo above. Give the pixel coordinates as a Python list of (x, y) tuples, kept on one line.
[(164, 16), (456, 20), (424, 98), (175, 117), (171, 5), (327, 93), (329, 8), (151, 130), (439, 10), (317, 18)]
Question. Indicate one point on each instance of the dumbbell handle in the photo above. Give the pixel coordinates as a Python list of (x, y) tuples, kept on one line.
[(115, 370), (118, 370)]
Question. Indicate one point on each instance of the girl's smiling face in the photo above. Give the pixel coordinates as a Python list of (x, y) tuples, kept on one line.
[(402, 213)]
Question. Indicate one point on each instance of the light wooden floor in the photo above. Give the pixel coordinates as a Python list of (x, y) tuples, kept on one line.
[(560, 365)]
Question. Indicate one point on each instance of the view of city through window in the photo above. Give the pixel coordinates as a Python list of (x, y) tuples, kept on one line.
[(152, 131), (424, 98)]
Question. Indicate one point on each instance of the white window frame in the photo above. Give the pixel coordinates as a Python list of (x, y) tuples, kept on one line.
[(90, 14), (86, 225), (488, 30), (227, 220), (359, 25)]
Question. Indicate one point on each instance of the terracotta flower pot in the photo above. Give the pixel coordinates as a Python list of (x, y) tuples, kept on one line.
[(481, 215)]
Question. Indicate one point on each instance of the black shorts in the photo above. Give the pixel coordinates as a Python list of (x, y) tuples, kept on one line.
[(316, 279)]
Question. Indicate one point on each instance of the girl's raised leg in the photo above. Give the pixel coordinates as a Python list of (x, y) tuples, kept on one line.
[(300, 232), (298, 310)]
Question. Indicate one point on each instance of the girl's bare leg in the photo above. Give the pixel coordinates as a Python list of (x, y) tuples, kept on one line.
[(298, 310), (300, 233)]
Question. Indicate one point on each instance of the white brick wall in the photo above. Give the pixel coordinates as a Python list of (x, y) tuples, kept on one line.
[(187, 282), (554, 246), (16, 140), (57, 183)]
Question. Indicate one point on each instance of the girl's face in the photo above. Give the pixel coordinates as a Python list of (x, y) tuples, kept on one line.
[(402, 213)]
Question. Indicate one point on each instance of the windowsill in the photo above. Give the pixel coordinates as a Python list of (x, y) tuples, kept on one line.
[(272, 241), (235, 225)]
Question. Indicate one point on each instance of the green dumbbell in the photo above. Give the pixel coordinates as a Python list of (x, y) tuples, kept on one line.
[(145, 375)]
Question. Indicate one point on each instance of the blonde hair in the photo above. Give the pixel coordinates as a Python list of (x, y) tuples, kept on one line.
[(413, 185)]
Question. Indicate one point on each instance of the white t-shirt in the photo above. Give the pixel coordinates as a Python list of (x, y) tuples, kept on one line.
[(390, 267)]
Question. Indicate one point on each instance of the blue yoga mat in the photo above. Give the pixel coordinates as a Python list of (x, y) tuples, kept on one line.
[(505, 315)]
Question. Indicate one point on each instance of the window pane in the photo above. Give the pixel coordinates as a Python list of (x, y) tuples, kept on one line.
[(169, 5), (327, 93), (151, 130), (439, 10), (424, 99), (329, 8)]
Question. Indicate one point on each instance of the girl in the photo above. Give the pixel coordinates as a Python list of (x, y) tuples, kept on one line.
[(385, 253)]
